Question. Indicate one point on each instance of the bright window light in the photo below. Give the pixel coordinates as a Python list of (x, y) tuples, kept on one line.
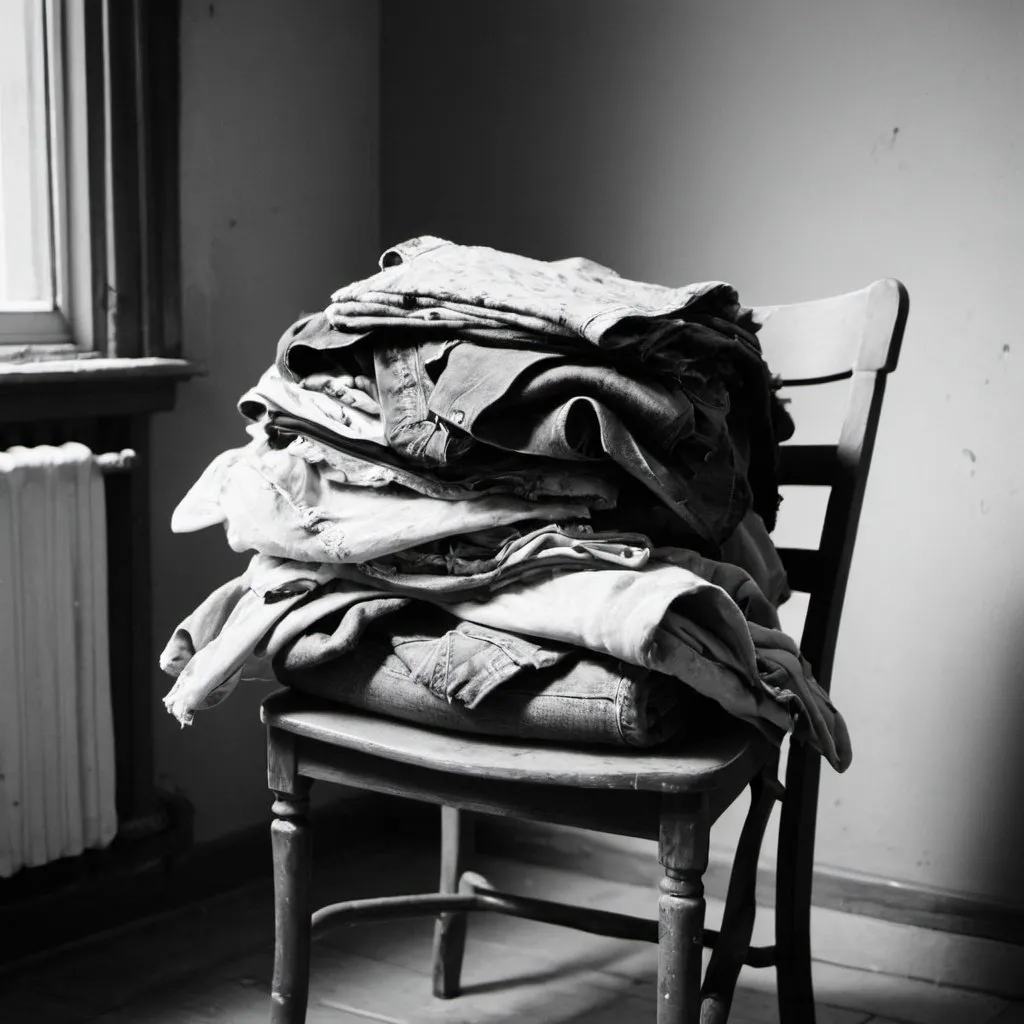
[(27, 256)]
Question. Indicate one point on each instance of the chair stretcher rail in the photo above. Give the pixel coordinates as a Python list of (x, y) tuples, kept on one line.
[(598, 922)]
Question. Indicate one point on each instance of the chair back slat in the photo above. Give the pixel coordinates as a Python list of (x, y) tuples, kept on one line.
[(813, 342)]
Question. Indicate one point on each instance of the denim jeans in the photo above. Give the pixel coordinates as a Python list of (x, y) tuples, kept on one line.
[(436, 671)]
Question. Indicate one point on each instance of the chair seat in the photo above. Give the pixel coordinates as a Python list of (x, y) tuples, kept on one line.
[(727, 755)]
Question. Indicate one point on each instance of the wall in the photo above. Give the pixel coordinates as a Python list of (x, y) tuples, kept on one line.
[(279, 196), (796, 149)]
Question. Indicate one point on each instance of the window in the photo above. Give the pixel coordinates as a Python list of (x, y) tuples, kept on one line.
[(88, 189), (34, 287)]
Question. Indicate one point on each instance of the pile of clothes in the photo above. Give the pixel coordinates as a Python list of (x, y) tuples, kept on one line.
[(499, 495)]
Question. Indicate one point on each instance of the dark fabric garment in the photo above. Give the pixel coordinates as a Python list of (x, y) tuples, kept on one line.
[(311, 345), (523, 400), (758, 421), (671, 436), (432, 669)]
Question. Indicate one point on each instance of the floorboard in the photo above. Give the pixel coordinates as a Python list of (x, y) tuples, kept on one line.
[(211, 963)]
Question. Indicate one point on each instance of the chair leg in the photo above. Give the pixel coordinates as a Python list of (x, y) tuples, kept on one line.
[(794, 876), (292, 850), (683, 853), (450, 929), (740, 906)]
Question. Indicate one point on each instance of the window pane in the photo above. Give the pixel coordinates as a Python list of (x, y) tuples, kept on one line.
[(26, 248)]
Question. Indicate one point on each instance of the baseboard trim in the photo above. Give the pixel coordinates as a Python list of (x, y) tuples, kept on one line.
[(848, 892)]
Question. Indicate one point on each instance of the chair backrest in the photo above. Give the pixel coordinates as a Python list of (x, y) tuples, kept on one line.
[(857, 337)]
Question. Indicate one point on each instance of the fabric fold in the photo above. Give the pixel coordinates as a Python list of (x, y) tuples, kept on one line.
[(274, 503)]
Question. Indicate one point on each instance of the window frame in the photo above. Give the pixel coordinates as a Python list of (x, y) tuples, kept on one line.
[(113, 161)]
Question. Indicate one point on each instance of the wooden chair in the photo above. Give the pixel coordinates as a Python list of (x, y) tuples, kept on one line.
[(673, 795)]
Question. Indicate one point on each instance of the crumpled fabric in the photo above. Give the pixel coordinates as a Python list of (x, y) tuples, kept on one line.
[(459, 565), (750, 547), (274, 503), (208, 650), (273, 395)]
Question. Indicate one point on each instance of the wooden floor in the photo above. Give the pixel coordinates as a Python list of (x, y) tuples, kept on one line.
[(211, 962)]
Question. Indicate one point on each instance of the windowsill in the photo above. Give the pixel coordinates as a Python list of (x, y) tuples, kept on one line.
[(90, 388), (86, 371)]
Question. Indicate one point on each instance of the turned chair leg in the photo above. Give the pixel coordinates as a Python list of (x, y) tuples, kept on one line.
[(683, 853), (450, 929), (292, 849), (794, 877), (740, 906)]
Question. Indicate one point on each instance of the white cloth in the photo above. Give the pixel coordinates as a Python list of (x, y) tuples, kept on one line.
[(278, 504)]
